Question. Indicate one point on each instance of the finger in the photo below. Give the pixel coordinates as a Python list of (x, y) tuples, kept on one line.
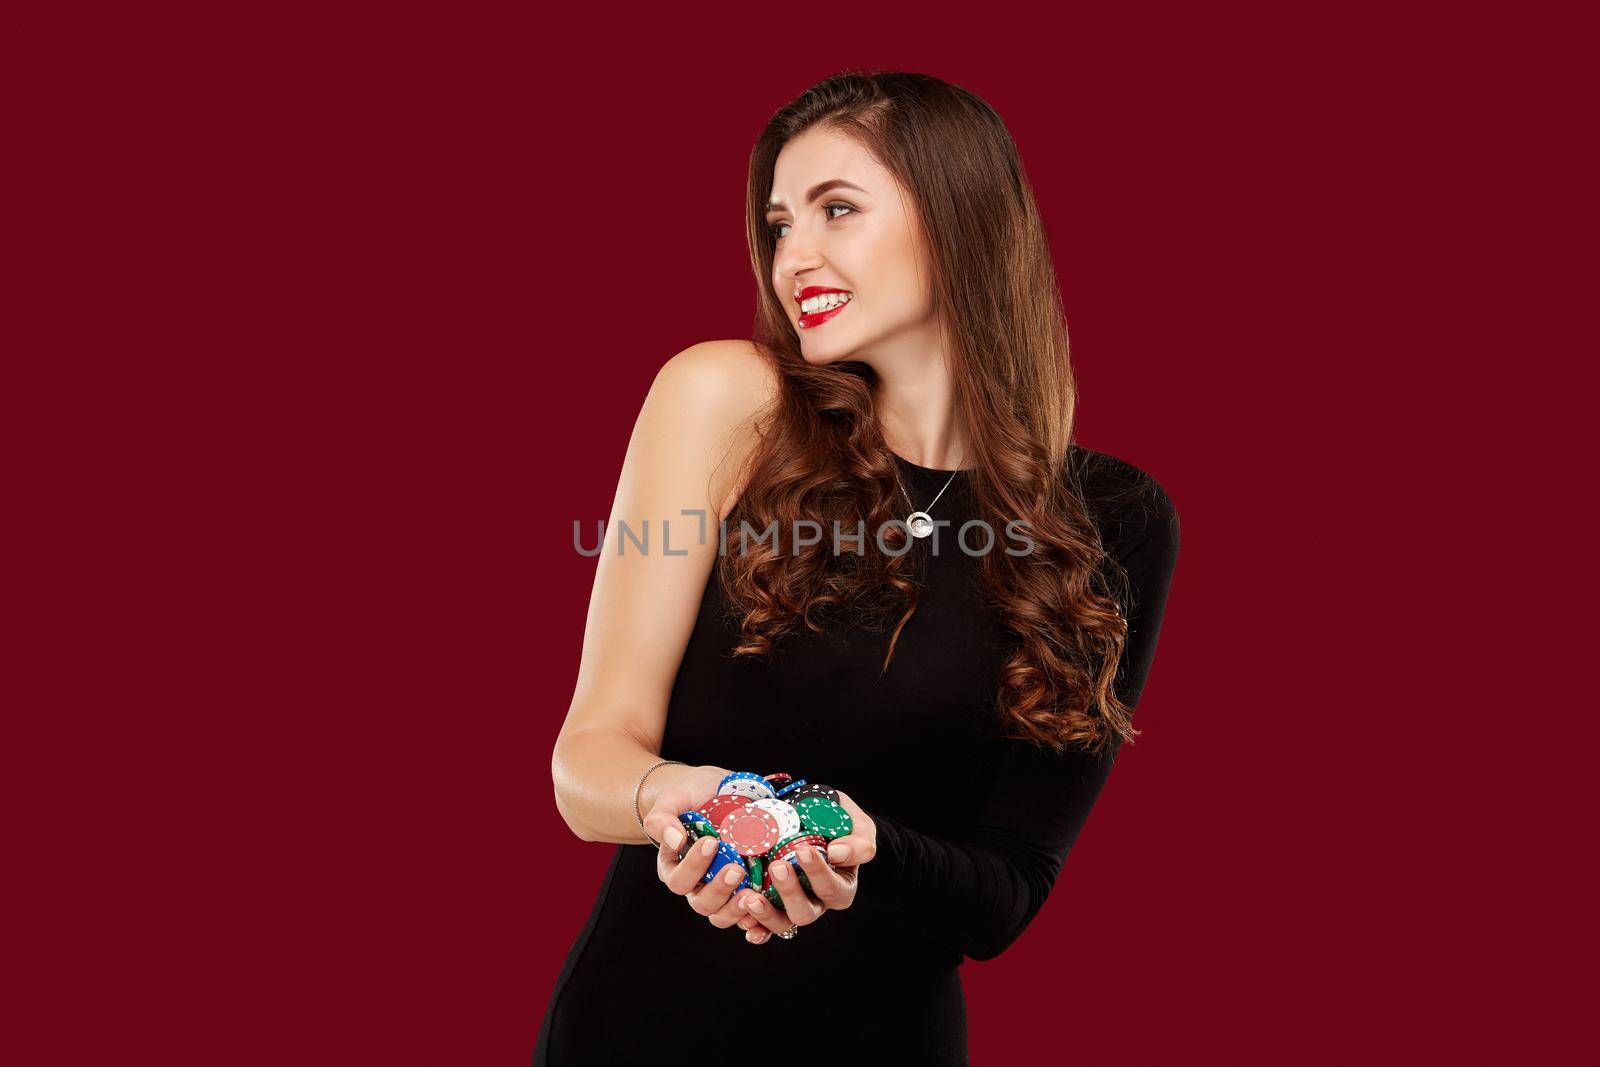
[(746, 904), (826, 883), (797, 906), (851, 850), (671, 856), (863, 832), (668, 857), (668, 860), (684, 877), (763, 914), (736, 912), (758, 936), (661, 821), (713, 896)]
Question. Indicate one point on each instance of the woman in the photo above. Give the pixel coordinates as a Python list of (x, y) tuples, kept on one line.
[(966, 705)]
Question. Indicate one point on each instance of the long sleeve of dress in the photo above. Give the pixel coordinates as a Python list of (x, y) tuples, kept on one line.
[(976, 894)]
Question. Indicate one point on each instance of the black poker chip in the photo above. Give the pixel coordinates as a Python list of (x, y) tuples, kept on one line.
[(813, 789)]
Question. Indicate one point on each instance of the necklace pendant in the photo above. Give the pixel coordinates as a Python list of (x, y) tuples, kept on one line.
[(921, 524)]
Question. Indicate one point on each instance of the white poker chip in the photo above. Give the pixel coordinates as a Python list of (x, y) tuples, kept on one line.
[(783, 811)]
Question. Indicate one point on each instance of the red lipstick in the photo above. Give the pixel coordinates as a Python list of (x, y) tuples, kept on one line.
[(817, 318)]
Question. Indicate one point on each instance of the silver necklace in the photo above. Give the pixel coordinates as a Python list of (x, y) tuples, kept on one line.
[(920, 522)]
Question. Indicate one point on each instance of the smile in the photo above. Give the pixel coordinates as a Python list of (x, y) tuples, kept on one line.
[(822, 309)]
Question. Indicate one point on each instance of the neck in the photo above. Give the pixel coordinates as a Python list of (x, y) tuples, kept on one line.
[(916, 414)]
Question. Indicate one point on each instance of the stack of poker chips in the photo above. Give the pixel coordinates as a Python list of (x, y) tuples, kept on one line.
[(760, 821)]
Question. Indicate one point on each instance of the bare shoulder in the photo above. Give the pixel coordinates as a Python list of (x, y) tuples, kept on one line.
[(730, 375), (717, 393)]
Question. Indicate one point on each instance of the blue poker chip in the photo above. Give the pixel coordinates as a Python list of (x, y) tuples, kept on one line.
[(746, 784), (726, 855), (798, 783)]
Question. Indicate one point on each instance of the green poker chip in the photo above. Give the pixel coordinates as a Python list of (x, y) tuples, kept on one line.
[(819, 815)]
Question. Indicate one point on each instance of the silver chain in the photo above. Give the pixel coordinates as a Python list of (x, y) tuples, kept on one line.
[(925, 511)]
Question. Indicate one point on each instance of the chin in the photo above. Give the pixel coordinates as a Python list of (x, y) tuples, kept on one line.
[(822, 357), (819, 349)]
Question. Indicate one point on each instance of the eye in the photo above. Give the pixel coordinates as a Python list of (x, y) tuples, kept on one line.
[(772, 230)]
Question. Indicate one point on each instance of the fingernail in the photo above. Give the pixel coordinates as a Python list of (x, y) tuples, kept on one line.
[(708, 847), (674, 837), (808, 856), (781, 872), (731, 876), (756, 905), (838, 853)]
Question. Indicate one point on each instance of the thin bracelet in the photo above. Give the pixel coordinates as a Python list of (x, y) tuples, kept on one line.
[(640, 786)]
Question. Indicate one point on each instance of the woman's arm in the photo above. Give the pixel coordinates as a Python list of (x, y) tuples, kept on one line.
[(689, 447), (976, 894)]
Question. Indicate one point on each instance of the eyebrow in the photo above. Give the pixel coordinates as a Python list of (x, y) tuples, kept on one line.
[(816, 191)]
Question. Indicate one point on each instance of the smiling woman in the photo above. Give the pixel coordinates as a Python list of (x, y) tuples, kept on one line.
[(910, 358), (849, 236)]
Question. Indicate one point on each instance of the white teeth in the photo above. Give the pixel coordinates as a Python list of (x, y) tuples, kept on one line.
[(823, 302)]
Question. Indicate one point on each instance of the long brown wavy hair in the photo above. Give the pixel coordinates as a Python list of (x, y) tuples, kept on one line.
[(822, 455)]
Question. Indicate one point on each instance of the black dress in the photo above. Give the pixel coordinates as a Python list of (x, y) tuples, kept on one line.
[(972, 828)]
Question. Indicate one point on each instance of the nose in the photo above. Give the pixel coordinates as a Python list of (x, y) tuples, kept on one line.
[(795, 258)]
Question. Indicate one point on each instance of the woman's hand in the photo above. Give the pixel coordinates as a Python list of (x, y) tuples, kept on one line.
[(690, 789), (833, 883)]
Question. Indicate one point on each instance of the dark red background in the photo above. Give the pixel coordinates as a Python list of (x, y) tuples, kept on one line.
[(337, 322)]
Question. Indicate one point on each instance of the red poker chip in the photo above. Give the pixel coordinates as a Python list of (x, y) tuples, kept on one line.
[(794, 847), (722, 806), (751, 831)]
